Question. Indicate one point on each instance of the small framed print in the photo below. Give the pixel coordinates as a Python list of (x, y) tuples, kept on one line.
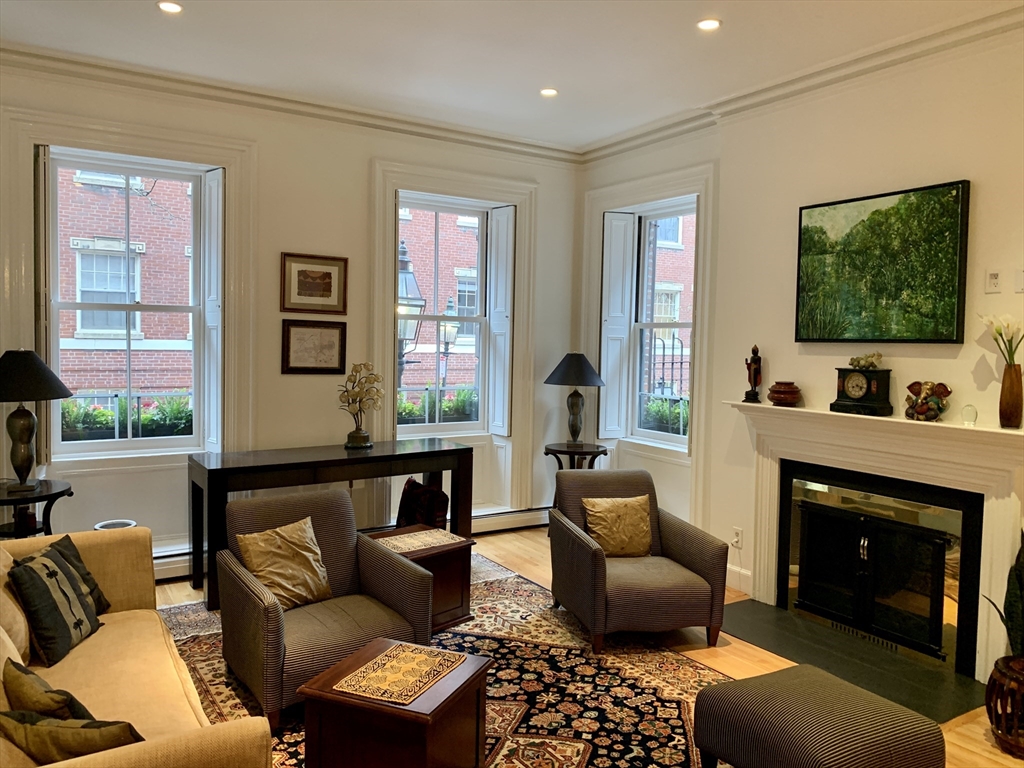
[(316, 284), (312, 346)]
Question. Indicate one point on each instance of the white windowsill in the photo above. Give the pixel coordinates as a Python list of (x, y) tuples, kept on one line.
[(662, 451), (113, 460)]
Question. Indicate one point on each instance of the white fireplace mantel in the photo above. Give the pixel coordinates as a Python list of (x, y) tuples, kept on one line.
[(978, 459)]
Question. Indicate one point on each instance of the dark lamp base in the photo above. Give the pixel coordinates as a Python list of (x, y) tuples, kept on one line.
[(25, 487)]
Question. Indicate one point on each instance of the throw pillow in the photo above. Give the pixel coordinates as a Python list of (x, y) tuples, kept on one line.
[(47, 741), (54, 598), (287, 561), (28, 691), (73, 557), (12, 617), (621, 526)]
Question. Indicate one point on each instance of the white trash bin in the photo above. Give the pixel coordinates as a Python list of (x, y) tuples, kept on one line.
[(109, 525)]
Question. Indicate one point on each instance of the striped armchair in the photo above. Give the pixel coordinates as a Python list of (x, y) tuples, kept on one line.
[(682, 584), (375, 593)]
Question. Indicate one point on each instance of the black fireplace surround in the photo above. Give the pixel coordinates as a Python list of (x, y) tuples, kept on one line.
[(856, 561)]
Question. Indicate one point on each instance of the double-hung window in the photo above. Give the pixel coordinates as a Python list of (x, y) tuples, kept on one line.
[(124, 268), (648, 321), (452, 348)]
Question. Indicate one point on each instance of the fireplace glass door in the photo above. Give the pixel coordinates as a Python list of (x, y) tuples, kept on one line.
[(881, 576)]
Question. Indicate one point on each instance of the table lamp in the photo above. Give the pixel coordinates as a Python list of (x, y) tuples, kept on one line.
[(25, 377), (575, 371)]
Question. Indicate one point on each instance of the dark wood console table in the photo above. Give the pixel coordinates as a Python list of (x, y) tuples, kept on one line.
[(212, 476)]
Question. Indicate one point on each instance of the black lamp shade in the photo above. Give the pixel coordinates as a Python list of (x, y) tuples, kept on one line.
[(575, 371), (24, 377)]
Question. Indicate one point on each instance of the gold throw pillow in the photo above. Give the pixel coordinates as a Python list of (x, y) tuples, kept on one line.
[(621, 526), (287, 561)]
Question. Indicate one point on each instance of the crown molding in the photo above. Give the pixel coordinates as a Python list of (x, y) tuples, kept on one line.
[(883, 57), (61, 65)]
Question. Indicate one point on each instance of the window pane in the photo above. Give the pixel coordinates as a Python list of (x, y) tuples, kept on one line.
[(668, 229), (665, 271), (440, 383), (663, 398), (161, 222), (418, 235), (98, 380), (90, 224), (162, 375)]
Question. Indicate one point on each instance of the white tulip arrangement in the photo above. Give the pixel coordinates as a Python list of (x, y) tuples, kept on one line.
[(360, 392), (1006, 331)]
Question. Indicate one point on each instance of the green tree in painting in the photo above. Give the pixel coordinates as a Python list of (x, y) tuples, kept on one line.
[(892, 275)]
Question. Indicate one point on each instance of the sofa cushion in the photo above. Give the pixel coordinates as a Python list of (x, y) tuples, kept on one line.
[(12, 617), (130, 670), (47, 740), (60, 615), (622, 527), (654, 594), (29, 692), (287, 561)]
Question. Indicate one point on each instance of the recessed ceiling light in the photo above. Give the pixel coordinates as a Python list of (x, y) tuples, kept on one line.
[(708, 24), (168, 7), (548, 92)]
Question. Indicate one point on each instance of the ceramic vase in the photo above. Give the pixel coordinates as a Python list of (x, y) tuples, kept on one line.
[(1011, 398), (1004, 700), (784, 393)]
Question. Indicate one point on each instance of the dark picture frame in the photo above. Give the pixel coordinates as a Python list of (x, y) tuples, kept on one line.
[(313, 347), (886, 268), (314, 284)]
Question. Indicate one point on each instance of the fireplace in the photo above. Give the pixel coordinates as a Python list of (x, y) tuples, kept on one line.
[(893, 560), (980, 460)]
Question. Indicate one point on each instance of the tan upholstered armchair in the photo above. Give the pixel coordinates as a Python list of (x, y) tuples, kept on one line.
[(375, 593), (682, 583)]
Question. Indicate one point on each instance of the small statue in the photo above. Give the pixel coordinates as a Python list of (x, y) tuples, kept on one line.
[(866, 362), (927, 400), (753, 376)]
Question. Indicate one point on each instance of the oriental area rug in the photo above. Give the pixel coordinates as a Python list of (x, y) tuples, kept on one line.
[(551, 702)]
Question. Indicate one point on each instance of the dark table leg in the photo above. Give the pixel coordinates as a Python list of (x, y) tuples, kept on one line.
[(47, 530), (592, 460), (216, 538), (559, 460), (196, 530), (462, 496)]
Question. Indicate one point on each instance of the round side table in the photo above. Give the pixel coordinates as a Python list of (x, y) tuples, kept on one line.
[(25, 523), (576, 452)]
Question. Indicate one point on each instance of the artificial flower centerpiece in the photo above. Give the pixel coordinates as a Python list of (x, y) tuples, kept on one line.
[(1006, 331), (359, 394)]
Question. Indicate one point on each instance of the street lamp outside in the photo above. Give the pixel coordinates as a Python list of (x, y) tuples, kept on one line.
[(410, 305), (449, 334)]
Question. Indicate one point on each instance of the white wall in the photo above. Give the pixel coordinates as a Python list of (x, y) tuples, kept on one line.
[(312, 196), (958, 114)]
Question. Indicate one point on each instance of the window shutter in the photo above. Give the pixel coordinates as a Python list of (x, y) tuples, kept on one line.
[(42, 301), (616, 315), (501, 242), (212, 287)]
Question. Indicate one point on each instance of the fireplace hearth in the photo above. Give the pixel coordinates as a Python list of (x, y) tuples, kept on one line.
[(893, 559)]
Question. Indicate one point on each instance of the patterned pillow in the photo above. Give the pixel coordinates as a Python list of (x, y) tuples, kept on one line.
[(29, 692), (73, 557), (621, 526), (54, 598), (47, 741)]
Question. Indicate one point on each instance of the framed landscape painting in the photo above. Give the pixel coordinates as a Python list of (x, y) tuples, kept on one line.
[(317, 284), (885, 268)]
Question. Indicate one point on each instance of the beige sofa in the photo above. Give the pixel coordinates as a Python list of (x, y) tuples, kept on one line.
[(130, 670)]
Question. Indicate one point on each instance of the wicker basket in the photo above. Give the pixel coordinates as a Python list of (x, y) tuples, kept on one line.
[(1004, 703)]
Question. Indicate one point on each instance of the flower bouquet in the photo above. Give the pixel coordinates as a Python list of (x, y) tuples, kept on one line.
[(1006, 331)]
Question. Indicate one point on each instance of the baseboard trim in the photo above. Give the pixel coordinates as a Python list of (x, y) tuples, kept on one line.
[(173, 566), (739, 578), (507, 521)]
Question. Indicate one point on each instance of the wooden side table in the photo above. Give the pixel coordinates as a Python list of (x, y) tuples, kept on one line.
[(576, 452), (444, 727), (450, 565), (25, 523)]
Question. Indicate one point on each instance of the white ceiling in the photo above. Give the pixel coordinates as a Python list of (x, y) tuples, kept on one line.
[(479, 64)]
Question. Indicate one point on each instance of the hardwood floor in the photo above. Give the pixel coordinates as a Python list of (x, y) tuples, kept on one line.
[(969, 741)]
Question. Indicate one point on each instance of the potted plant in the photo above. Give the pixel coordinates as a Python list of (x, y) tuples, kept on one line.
[(359, 393), (1004, 696), (1006, 332)]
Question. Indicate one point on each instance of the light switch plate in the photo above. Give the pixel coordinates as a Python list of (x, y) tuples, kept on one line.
[(1018, 281)]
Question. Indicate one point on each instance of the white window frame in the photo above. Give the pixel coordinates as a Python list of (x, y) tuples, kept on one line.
[(97, 167), (464, 341)]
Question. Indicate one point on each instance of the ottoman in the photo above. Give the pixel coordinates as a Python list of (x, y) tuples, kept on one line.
[(802, 717)]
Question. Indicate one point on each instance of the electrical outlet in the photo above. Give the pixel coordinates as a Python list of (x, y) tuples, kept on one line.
[(737, 538), (993, 283)]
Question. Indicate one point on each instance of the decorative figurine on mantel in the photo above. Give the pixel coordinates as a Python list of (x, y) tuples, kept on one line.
[(927, 400), (753, 376), (866, 362)]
